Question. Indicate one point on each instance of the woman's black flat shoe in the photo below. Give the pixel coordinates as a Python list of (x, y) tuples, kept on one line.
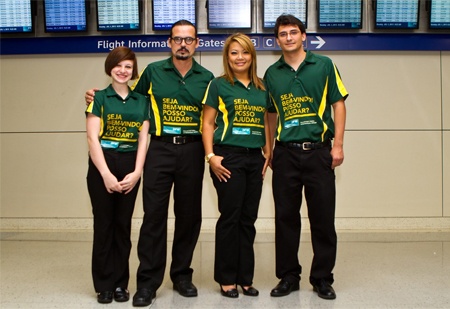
[(250, 291), (232, 293), (121, 295)]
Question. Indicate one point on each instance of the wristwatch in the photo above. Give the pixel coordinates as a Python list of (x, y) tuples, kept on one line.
[(209, 156)]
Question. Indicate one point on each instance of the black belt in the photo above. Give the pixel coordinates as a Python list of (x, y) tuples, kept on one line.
[(305, 145), (238, 149), (177, 139)]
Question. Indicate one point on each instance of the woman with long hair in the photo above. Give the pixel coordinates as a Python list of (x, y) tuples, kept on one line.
[(238, 149)]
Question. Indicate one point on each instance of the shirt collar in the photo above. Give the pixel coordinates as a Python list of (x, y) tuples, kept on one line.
[(110, 92), (309, 58), (237, 81), (195, 66)]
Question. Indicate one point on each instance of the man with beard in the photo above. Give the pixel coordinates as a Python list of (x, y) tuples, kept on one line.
[(175, 157)]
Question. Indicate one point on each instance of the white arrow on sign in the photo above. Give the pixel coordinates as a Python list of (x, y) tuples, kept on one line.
[(320, 42)]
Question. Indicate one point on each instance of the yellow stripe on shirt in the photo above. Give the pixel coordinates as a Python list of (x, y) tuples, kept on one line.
[(248, 125), (155, 111), (90, 107), (279, 120), (224, 111), (302, 115), (203, 103), (101, 121), (180, 124), (137, 80), (339, 83), (322, 107), (121, 139)]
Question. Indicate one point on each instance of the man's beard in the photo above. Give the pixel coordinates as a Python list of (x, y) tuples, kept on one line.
[(186, 56), (182, 57)]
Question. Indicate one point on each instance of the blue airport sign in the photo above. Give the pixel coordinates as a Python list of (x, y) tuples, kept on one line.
[(208, 42)]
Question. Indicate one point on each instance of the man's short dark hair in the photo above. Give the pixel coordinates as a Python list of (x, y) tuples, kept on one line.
[(183, 22), (287, 19)]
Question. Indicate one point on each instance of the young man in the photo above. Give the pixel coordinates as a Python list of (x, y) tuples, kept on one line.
[(304, 88), (175, 157)]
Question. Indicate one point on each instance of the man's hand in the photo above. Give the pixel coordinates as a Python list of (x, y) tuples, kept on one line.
[(89, 96), (338, 156)]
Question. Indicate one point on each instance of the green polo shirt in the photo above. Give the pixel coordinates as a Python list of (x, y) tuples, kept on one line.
[(175, 101), (240, 113), (303, 98), (121, 119)]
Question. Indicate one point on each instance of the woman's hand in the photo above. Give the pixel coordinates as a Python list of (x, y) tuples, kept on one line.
[(216, 166), (130, 181), (111, 183), (268, 157)]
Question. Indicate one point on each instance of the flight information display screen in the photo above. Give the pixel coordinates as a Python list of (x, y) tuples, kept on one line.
[(118, 15), (167, 12), (65, 15), (274, 8), (228, 14), (440, 14), (397, 14), (16, 16), (340, 14)]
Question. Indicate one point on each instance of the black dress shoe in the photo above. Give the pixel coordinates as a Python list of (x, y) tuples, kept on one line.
[(105, 297), (284, 288), (324, 289), (143, 297), (121, 295), (232, 293), (250, 291), (185, 288)]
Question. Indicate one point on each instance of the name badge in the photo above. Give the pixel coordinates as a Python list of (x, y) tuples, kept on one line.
[(109, 144), (172, 130), (291, 123), (241, 131)]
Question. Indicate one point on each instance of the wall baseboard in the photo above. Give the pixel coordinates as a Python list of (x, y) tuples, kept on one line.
[(263, 224)]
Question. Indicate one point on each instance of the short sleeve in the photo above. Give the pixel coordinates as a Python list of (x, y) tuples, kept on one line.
[(212, 94), (336, 89), (142, 84), (96, 105)]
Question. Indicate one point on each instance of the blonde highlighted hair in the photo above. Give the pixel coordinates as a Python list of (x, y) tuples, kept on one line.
[(247, 45)]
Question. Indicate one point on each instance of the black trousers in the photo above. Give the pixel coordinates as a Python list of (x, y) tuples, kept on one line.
[(167, 165), (112, 223), (238, 206), (293, 170)]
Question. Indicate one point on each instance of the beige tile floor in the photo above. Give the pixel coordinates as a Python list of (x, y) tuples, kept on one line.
[(378, 269)]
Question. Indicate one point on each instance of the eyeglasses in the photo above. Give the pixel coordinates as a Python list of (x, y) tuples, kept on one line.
[(188, 40), (285, 34)]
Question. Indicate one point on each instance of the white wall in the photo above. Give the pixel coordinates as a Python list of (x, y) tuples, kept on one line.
[(396, 173)]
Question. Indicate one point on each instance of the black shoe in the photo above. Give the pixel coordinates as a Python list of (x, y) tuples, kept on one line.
[(143, 297), (232, 293), (121, 295), (105, 297), (185, 288), (284, 288), (324, 289), (250, 291)]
